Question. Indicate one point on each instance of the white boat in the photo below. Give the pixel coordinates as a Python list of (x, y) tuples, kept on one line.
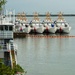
[(36, 24), (23, 25), (18, 23), (49, 25), (40, 29), (52, 28), (27, 29), (37, 27), (8, 48), (63, 26)]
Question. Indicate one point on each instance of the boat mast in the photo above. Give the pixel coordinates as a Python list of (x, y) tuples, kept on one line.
[(60, 17), (24, 17), (36, 16), (48, 18)]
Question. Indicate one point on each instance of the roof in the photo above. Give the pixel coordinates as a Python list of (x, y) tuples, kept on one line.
[(6, 23)]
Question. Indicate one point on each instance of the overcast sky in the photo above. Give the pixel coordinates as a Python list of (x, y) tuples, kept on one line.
[(41, 6)]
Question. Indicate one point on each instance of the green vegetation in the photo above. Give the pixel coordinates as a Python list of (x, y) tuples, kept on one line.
[(0, 47), (17, 69), (2, 2), (6, 70)]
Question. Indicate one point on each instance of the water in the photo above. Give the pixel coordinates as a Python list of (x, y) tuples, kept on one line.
[(48, 56)]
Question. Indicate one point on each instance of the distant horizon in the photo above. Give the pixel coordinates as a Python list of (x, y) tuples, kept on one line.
[(40, 14)]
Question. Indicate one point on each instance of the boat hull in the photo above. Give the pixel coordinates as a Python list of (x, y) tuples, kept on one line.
[(64, 30), (27, 29), (52, 29), (40, 30)]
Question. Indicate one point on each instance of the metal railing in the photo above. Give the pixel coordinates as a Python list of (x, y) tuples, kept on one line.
[(6, 34), (8, 46)]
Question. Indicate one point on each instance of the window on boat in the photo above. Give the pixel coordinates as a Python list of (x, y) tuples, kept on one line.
[(1, 28), (6, 28), (10, 28)]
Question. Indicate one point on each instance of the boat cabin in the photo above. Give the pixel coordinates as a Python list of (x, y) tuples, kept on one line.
[(7, 48)]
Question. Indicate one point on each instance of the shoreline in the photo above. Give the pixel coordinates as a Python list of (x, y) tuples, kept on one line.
[(43, 15)]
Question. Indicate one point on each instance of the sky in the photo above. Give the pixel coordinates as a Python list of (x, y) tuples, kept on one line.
[(41, 6)]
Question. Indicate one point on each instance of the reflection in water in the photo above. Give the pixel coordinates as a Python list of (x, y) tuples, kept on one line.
[(46, 56)]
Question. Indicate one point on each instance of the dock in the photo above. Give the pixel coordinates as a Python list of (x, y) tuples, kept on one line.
[(19, 34)]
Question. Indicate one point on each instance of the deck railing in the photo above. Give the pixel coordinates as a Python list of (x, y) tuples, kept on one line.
[(6, 34), (7, 47)]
